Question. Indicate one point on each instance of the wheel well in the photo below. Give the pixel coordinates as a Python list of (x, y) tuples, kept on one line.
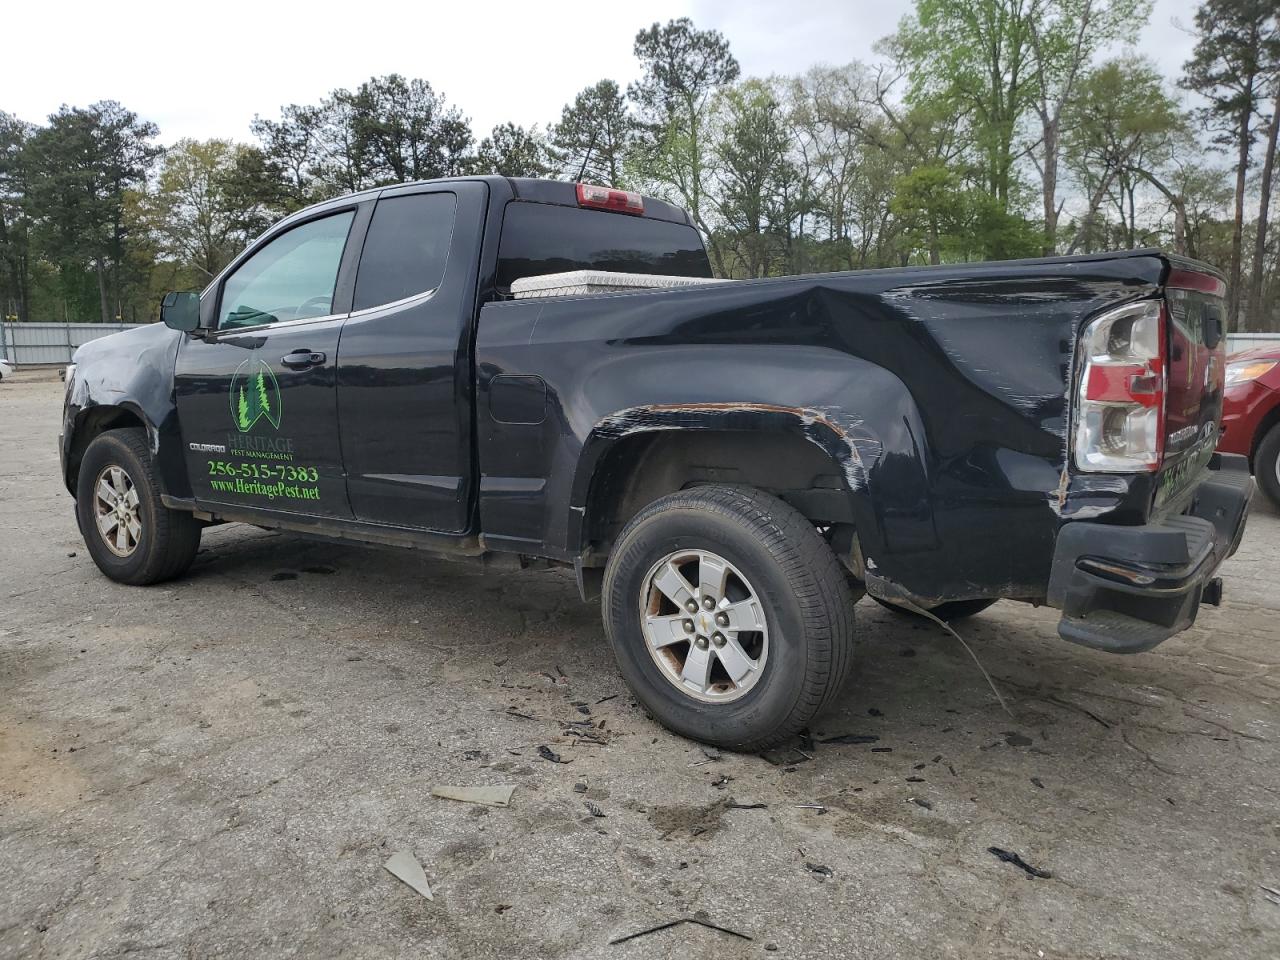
[(639, 469), (91, 423), (1270, 420)]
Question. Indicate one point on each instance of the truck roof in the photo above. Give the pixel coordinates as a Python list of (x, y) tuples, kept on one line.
[(559, 192)]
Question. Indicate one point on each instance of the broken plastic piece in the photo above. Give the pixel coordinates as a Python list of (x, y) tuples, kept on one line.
[(403, 866), (495, 796), (1010, 857)]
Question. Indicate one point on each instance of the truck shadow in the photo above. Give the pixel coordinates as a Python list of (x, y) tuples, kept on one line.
[(912, 684)]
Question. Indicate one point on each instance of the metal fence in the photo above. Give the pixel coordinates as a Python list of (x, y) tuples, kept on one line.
[(1251, 341), (27, 343)]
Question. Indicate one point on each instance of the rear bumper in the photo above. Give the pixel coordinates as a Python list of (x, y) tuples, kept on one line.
[(1127, 588)]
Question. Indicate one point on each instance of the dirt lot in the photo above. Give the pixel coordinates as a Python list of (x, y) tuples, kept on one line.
[(220, 766)]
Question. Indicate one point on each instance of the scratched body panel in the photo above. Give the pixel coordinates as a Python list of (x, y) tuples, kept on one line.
[(940, 394)]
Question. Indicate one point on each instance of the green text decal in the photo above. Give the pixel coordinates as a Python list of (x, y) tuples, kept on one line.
[(255, 395)]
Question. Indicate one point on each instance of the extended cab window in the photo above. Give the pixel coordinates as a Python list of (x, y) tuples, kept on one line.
[(541, 238), (292, 277), (406, 248)]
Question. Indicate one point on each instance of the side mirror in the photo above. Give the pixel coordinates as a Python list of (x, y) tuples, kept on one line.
[(180, 310)]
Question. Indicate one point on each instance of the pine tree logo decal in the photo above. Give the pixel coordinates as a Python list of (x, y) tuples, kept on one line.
[(255, 395)]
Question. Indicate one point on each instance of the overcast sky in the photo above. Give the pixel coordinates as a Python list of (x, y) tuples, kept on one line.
[(207, 76)]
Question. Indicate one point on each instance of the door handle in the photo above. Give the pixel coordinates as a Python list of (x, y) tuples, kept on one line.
[(300, 359)]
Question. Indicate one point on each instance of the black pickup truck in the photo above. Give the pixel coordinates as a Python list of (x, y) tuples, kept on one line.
[(730, 466)]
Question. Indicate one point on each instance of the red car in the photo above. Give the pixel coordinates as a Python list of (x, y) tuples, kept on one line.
[(1251, 415)]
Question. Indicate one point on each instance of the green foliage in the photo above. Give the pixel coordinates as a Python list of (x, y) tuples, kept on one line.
[(80, 170), (199, 211), (513, 151), (683, 68), (985, 129), (594, 136), (977, 56)]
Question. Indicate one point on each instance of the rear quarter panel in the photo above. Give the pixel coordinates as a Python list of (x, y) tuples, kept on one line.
[(945, 390)]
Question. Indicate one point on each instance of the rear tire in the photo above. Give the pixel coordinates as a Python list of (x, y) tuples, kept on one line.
[(131, 535), (776, 591), (947, 611), (1266, 465)]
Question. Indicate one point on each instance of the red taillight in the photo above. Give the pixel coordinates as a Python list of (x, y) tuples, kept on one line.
[(606, 198), (1200, 282), (1120, 405)]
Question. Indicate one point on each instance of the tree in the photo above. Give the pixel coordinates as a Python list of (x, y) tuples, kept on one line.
[(756, 199), (978, 55), (1255, 313), (682, 67), (197, 209), (15, 221), (594, 137), (83, 166), (513, 151), (1234, 61), (1065, 35), (1121, 123), (403, 130), (849, 155), (292, 152)]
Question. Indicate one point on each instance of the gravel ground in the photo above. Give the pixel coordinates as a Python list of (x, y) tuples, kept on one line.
[(219, 767)]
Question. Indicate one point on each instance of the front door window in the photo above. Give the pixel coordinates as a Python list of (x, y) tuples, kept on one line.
[(291, 278)]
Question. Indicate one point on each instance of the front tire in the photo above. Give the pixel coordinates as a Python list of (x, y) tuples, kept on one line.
[(1266, 465), (729, 616), (131, 535)]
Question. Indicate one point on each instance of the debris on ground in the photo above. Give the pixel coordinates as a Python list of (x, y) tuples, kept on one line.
[(593, 809), (1036, 781), (921, 802), (1009, 857), (850, 738), (688, 821), (589, 736), (733, 805), (1271, 893), (785, 758), (809, 806), (546, 753), (579, 788), (821, 870), (493, 796), (1015, 739), (710, 755), (404, 866), (699, 918)]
